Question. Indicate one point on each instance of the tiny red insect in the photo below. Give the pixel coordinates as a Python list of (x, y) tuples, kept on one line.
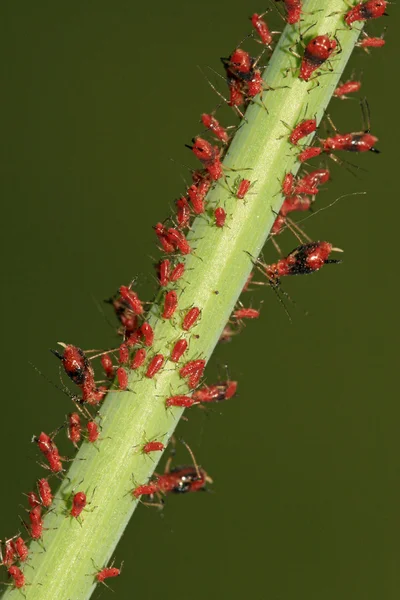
[(220, 216), (78, 504), (138, 359), (349, 87), (74, 428), (107, 365), (193, 370), (293, 11), (147, 332), (107, 573), (243, 188), (45, 492), (17, 576), (21, 549), (309, 153), (177, 272), (287, 185), (246, 313), (216, 393), (180, 401), (164, 269), (146, 489), (371, 42), (153, 447), (211, 123), (123, 358), (33, 500), (93, 431), (36, 523), (122, 377), (50, 451), (190, 318), (170, 304), (310, 182), (162, 235), (262, 29), (132, 299), (178, 350), (9, 553), (183, 212), (316, 53), (302, 130), (364, 11), (178, 240), (155, 365)]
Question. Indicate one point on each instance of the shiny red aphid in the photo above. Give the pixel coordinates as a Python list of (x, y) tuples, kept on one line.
[(21, 549), (303, 260), (146, 331), (123, 354), (262, 29), (36, 523), (147, 489), (243, 188), (108, 366), (163, 238), (92, 431), (170, 304), (287, 185), (138, 359), (45, 493), (177, 272), (220, 216), (132, 299), (349, 87), (216, 393), (164, 271), (122, 378), (309, 153), (193, 370), (155, 365), (178, 350), (107, 573), (364, 11), (371, 42), (293, 11), (9, 555), (309, 184), (316, 53), (246, 313), (182, 212), (126, 317), (239, 65), (74, 428), (78, 504), (50, 451), (302, 130), (153, 447), (255, 85), (211, 123), (80, 371), (197, 199), (204, 151), (178, 240), (236, 95), (17, 576), (362, 141), (190, 318), (33, 499), (180, 401)]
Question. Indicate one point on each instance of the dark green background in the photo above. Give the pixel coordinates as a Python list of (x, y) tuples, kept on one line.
[(96, 97)]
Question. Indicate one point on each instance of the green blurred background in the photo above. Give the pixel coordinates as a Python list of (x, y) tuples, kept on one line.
[(96, 98)]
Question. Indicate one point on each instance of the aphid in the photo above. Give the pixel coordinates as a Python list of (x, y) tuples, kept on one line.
[(93, 431), (45, 492), (364, 11), (122, 377), (349, 87), (33, 500), (293, 11), (50, 451), (239, 65), (178, 350), (287, 185), (155, 365), (216, 393), (178, 240), (79, 370), (220, 216), (78, 504), (197, 194), (74, 428), (21, 549), (107, 365), (123, 352), (183, 212), (309, 153), (209, 155), (213, 125), (190, 318), (146, 489), (153, 447), (371, 42), (180, 401), (291, 204), (36, 523), (262, 29), (310, 182), (302, 130), (177, 272), (9, 555), (246, 313), (236, 96), (146, 331), (170, 304), (361, 141), (243, 188), (17, 576), (163, 238), (316, 53), (138, 359), (193, 370), (124, 314), (164, 270), (132, 299), (107, 573)]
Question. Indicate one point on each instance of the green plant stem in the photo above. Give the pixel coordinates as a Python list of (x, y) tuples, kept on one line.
[(215, 274)]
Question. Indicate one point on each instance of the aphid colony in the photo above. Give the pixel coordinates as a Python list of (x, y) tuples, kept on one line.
[(137, 351)]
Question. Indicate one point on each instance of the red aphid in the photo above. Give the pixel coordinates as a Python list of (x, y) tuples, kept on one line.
[(192, 366), (214, 169), (132, 299), (74, 428), (309, 153), (362, 141), (164, 271), (213, 125), (239, 65), (177, 272), (246, 313), (50, 451), (349, 87), (124, 314), (134, 338), (243, 188), (17, 576), (138, 359), (182, 480), (310, 182), (236, 96), (364, 11), (183, 212), (9, 555), (216, 393), (79, 370), (21, 549), (122, 377), (45, 492), (123, 352), (78, 504), (146, 489), (36, 523), (107, 573), (220, 216), (287, 185), (204, 151), (262, 29), (93, 431), (155, 365), (302, 130), (33, 500), (107, 365), (170, 304), (255, 85), (163, 238), (293, 11), (178, 350), (317, 51), (180, 401), (153, 447), (178, 240), (190, 318), (146, 331)]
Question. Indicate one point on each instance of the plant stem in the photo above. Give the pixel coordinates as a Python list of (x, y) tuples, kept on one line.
[(215, 274)]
